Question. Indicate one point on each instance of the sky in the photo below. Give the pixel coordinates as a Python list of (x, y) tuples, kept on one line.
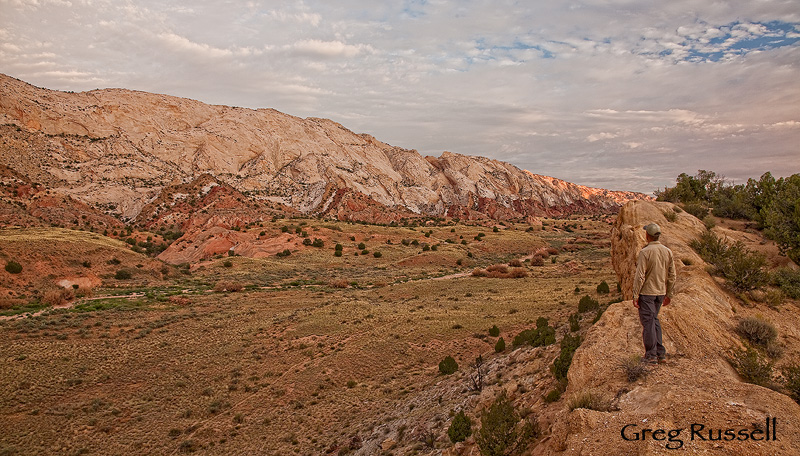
[(617, 94)]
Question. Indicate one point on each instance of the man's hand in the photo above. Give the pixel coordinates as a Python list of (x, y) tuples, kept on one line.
[(666, 302), (636, 303)]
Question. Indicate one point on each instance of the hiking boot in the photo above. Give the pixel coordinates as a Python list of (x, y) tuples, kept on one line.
[(649, 360)]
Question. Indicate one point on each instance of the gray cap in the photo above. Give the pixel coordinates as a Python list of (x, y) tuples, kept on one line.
[(652, 229)]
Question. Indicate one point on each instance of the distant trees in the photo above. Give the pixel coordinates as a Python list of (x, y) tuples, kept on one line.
[(774, 204)]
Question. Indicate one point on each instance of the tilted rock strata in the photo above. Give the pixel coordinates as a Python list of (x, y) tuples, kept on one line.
[(121, 148)]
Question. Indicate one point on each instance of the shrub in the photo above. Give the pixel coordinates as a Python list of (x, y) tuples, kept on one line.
[(751, 366), (633, 367), (448, 365), (757, 331), (537, 260), (228, 285), (670, 215), (709, 222), (123, 274), (362, 246), (789, 281), (339, 247), (518, 273), (603, 287), (500, 346), (561, 365), (478, 272), (743, 269), (501, 268), (696, 209), (339, 283), (791, 376), (307, 242), (12, 267), (284, 253), (319, 243), (552, 396), (377, 254), (542, 336), (589, 400), (460, 428), (58, 297), (228, 264), (574, 322), (501, 432), (494, 331), (587, 303), (337, 253), (515, 263)]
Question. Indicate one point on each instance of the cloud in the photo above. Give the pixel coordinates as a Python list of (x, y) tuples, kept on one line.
[(595, 92), (327, 49)]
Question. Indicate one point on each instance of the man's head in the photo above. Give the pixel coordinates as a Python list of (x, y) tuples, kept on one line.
[(653, 231)]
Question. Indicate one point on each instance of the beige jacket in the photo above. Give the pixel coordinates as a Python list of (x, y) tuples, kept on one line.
[(655, 271)]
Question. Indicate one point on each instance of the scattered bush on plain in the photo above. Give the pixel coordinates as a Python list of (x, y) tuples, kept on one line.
[(448, 365)]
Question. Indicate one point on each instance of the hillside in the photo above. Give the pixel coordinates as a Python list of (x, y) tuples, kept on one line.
[(118, 150), (697, 385)]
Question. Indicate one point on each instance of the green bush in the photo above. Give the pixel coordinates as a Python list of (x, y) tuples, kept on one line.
[(552, 396), (670, 215), (542, 336), (448, 365), (227, 264), (603, 287), (743, 269), (501, 432), (377, 254), (788, 281), (574, 322), (339, 247), (500, 346), (494, 331), (460, 428), (319, 243), (362, 246), (752, 367), (791, 376), (13, 267), (561, 365), (587, 303), (696, 209), (757, 331), (123, 274)]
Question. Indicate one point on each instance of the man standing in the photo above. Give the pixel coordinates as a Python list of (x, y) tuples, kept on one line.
[(652, 288)]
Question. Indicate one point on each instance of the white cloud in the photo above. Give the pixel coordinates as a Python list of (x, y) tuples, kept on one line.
[(327, 49), (553, 87)]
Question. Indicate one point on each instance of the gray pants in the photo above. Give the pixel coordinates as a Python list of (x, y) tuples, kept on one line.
[(649, 306)]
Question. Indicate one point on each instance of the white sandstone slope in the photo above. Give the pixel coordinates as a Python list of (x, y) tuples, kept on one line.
[(120, 148)]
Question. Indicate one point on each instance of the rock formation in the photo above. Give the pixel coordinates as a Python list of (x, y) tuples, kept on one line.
[(119, 150), (697, 385)]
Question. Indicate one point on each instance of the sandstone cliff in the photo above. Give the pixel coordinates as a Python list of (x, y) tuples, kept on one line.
[(119, 149), (697, 385)]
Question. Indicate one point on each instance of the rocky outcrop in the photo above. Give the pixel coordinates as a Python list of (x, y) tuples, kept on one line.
[(696, 386), (120, 149)]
